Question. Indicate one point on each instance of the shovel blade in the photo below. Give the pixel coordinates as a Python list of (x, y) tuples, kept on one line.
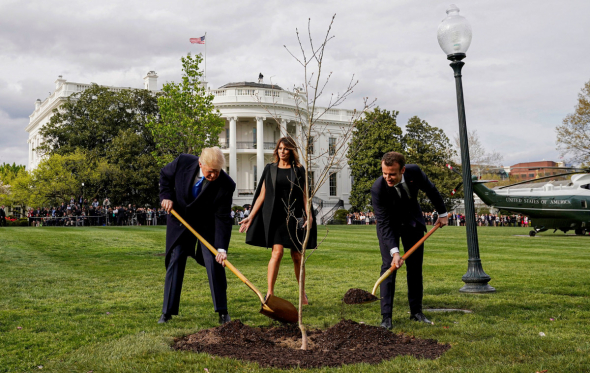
[(279, 309)]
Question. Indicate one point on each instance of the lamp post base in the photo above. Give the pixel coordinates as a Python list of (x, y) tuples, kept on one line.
[(476, 280)]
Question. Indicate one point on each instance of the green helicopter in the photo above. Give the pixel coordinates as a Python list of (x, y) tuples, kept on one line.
[(559, 207)]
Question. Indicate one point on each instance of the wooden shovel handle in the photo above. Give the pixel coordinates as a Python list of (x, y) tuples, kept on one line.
[(393, 268), (417, 245), (215, 252)]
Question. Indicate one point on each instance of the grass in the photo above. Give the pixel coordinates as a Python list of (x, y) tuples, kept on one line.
[(87, 299)]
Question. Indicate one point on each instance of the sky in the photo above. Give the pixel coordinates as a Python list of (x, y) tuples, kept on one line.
[(526, 65)]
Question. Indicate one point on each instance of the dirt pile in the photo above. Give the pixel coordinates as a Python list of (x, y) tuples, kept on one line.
[(358, 296), (347, 342)]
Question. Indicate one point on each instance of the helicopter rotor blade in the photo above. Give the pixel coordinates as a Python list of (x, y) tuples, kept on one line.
[(456, 188), (452, 169), (542, 178)]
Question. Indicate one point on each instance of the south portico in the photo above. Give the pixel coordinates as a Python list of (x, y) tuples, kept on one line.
[(248, 141)]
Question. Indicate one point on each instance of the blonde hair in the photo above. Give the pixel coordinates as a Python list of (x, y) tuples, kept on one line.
[(213, 157)]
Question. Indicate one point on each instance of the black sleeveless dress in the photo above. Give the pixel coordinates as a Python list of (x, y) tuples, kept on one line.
[(269, 225), (283, 226)]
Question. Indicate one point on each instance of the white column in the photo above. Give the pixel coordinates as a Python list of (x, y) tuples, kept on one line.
[(283, 128), (30, 154), (233, 158), (35, 153), (259, 146)]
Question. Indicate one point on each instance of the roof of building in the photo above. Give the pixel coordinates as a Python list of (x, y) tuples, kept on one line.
[(251, 84), (535, 164)]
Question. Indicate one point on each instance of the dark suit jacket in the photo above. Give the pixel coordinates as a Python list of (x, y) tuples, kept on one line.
[(2, 213), (387, 210), (259, 232), (209, 214)]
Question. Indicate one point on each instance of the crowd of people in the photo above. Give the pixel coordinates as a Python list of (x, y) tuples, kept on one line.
[(483, 220), (239, 215), (361, 218), (79, 212)]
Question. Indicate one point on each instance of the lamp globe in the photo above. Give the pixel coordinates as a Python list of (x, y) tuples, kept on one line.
[(454, 34)]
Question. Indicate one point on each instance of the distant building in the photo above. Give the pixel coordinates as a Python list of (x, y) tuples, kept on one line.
[(44, 109), (249, 137), (533, 170)]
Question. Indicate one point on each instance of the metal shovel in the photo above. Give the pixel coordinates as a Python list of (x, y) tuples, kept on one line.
[(274, 307)]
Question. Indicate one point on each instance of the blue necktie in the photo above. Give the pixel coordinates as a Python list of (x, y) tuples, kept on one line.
[(197, 187)]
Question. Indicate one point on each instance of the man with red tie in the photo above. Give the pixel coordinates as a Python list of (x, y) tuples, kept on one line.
[(201, 192)]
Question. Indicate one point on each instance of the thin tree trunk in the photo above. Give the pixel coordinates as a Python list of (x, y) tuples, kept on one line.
[(302, 280), (301, 295)]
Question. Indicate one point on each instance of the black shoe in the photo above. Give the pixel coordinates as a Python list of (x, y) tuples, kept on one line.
[(224, 318), (420, 317), (164, 318), (386, 322)]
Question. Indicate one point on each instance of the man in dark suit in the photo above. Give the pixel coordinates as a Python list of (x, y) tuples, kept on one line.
[(2, 217), (201, 192), (399, 216)]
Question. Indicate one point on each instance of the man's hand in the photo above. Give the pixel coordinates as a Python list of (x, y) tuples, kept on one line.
[(167, 205), (220, 258), (397, 261), (443, 221)]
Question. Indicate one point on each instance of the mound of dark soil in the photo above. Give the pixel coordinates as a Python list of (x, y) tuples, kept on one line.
[(347, 342), (358, 296)]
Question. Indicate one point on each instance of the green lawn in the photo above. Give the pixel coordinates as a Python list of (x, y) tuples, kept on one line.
[(87, 299)]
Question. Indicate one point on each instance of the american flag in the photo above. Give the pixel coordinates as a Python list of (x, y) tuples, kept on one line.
[(200, 40)]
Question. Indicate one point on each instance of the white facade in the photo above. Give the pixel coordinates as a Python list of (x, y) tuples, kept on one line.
[(245, 108), (44, 110)]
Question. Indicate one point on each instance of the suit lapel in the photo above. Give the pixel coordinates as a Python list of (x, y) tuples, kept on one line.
[(205, 187), (411, 187), (189, 177)]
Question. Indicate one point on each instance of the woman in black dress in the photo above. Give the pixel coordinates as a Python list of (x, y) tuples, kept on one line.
[(278, 202)]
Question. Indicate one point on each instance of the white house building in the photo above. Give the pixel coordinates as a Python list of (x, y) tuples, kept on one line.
[(250, 134)]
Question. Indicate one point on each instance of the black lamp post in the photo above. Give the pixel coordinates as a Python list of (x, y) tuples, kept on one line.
[(454, 37)]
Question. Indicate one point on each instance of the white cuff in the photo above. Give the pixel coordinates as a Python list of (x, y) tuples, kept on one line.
[(393, 251), (443, 215), (221, 251)]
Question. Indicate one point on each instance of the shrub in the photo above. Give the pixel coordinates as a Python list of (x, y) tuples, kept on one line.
[(23, 222), (340, 215)]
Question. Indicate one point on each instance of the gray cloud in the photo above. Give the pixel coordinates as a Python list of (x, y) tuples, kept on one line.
[(525, 67)]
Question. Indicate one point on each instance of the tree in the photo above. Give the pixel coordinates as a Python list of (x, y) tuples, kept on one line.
[(8, 173), (188, 121), (573, 136), (375, 134), (481, 160), (309, 117), (133, 174), (430, 148), (109, 125), (92, 119), (4, 192), (58, 178)]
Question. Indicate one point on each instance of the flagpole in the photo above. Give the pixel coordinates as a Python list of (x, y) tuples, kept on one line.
[(205, 56)]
